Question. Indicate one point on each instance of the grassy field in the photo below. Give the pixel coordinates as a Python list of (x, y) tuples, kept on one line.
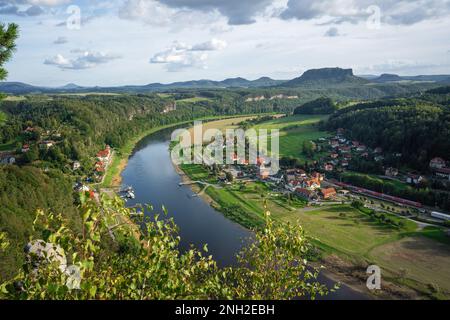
[(294, 131), (194, 100), (342, 228), (417, 259), (14, 98)]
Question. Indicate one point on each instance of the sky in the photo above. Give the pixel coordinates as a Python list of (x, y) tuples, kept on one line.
[(124, 42)]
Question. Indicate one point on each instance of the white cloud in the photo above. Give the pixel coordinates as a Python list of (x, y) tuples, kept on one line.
[(49, 3), (180, 56), (402, 12), (211, 45), (84, 60)]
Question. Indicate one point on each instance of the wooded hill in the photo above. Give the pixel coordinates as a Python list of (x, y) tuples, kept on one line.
[(418, 128)]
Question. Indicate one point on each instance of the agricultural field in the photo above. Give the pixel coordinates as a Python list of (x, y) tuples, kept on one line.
[(417, 259), (294, 131), (194, 100)]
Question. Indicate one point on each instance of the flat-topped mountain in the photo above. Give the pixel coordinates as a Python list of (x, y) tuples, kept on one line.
[(326, 77), (386, 77)]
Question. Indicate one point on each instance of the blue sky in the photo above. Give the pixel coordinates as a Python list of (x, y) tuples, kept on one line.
[(142, 41)]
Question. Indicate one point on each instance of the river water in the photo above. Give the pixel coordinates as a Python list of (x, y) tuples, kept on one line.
[(155, 181)]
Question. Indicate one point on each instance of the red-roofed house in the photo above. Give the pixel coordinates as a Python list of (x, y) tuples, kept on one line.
[(328, 193), (304, 193), (25, 148)]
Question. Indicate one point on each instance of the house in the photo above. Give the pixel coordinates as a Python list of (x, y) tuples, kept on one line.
[(437, 163), (361, 148), (292, 185), (25, 148), (311, 184), (391, 172), (45, 145), (345, 149), (343, 192), (334, 143), (378, 150), (379, 158), (301, 173), (334, 156), (344, 163), (170, 107), (304, 193), (414, 179), (365, 155), (76, 165), (443, 173), (317, 176), (99, 171), (347, 156), (328, 193), (79, 187), (99, 164), (355, 144), (340, 131), (105, 154), (328, 167), (29, 130), (236, 173)]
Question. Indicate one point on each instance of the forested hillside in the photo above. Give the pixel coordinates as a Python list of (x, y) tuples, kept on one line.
[(419, 129), (23, 190), (318, 106)]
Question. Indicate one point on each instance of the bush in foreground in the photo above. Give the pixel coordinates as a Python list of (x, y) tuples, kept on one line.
[(145, 262)]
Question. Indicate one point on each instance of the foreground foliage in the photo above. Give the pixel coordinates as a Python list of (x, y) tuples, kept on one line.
[(146, 262)]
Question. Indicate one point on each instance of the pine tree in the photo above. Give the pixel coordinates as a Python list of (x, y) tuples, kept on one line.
[(8, 36)]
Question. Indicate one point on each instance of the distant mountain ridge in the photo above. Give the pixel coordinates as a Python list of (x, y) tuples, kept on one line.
[(421, 78), (315, 78), (23, 88)]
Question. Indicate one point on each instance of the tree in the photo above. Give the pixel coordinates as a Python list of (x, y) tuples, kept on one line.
[(8, 36), (147, 263), (229, 176)]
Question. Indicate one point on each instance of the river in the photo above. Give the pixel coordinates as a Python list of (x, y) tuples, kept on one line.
[(156, 182)]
